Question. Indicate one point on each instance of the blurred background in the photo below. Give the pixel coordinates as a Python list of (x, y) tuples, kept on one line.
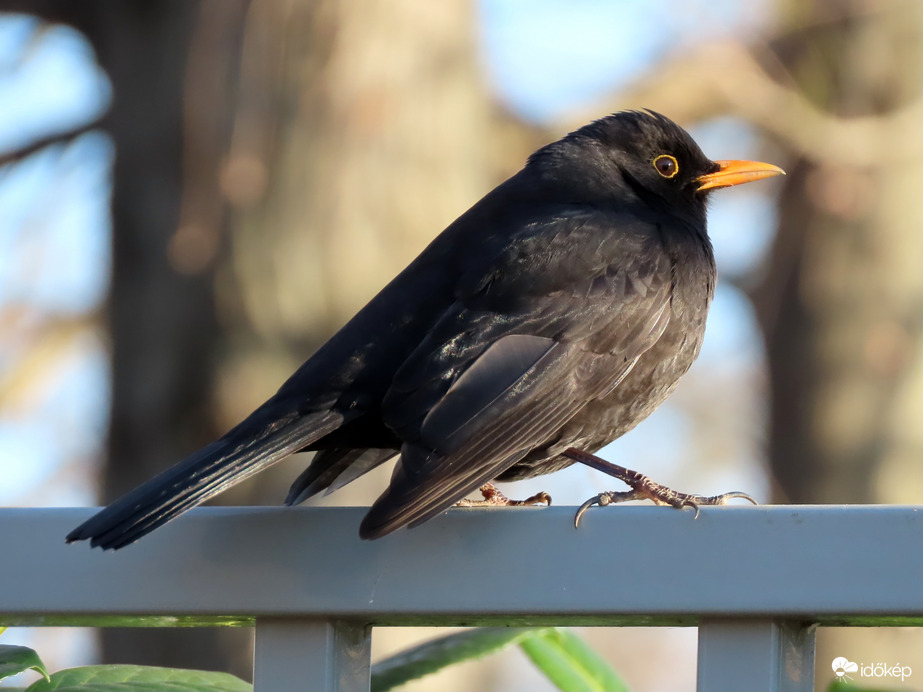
[(195, 194)]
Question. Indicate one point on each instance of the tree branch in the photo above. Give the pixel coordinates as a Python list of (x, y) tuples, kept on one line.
[(726, 79), (37, 145)]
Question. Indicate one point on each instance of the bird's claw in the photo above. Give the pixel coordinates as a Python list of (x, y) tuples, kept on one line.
[(494, 498), (608, 497), (585, 506), (598, 500), (694, 505), (643, 488)]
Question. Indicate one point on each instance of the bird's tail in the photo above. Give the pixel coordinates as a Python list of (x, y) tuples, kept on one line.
[(226, 462)]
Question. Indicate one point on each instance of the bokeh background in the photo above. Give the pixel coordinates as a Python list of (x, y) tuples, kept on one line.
[(194, 194)]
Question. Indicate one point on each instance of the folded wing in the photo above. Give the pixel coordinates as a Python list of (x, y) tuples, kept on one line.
[(466, 415)]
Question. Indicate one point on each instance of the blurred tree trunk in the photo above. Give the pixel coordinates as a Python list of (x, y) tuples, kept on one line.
[(170, 129), (841, 302), (170, 121)]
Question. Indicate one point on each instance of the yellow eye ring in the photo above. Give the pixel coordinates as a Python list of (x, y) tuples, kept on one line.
[(666, 165)]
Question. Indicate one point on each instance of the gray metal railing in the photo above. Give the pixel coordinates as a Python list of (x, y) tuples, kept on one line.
[(755, 581)]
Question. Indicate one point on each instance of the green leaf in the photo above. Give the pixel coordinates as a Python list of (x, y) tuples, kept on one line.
[(570, 663), (139, 679), (439, 653), (16, 659), (841, 685)]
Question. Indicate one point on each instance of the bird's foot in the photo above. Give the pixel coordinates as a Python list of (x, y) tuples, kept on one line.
[(494, 498), (643, 488)]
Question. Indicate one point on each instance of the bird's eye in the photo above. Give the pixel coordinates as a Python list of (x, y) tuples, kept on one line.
[(666, 165)]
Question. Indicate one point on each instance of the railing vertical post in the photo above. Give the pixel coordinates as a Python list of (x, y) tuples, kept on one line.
[(308, 655), (757, 655)]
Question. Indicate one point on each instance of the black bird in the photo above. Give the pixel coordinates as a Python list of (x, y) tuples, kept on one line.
[(556, 313)]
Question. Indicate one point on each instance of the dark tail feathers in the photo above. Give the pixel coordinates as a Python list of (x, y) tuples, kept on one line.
[(224, 463)]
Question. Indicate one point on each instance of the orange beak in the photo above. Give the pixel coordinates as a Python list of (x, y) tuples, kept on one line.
[(735, 173)]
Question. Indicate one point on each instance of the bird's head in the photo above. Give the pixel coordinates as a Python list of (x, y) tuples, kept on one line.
[(642, 156)]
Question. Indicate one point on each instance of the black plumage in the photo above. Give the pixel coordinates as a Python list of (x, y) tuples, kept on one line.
[(557, 312)]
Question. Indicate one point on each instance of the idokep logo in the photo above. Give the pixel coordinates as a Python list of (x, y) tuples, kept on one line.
[(842, 666)]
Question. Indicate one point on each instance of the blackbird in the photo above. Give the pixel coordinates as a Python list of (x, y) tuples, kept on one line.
[(546, 321)]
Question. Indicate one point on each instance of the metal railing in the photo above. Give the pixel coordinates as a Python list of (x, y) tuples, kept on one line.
[(756, 581)]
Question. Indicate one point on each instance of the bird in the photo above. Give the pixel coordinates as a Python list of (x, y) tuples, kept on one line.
[(546, 321)]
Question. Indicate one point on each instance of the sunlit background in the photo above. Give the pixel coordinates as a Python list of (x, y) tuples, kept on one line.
[(195, 195)]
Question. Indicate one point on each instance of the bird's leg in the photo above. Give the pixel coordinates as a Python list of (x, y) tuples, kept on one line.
[(643, 488), (494, 498)]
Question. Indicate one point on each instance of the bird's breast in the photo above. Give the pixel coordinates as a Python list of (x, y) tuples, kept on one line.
[(652, 379)]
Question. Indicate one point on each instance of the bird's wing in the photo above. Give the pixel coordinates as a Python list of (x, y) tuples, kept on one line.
[(518, 357)]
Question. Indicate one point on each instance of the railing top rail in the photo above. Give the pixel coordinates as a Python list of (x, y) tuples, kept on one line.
[(625, 565)]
